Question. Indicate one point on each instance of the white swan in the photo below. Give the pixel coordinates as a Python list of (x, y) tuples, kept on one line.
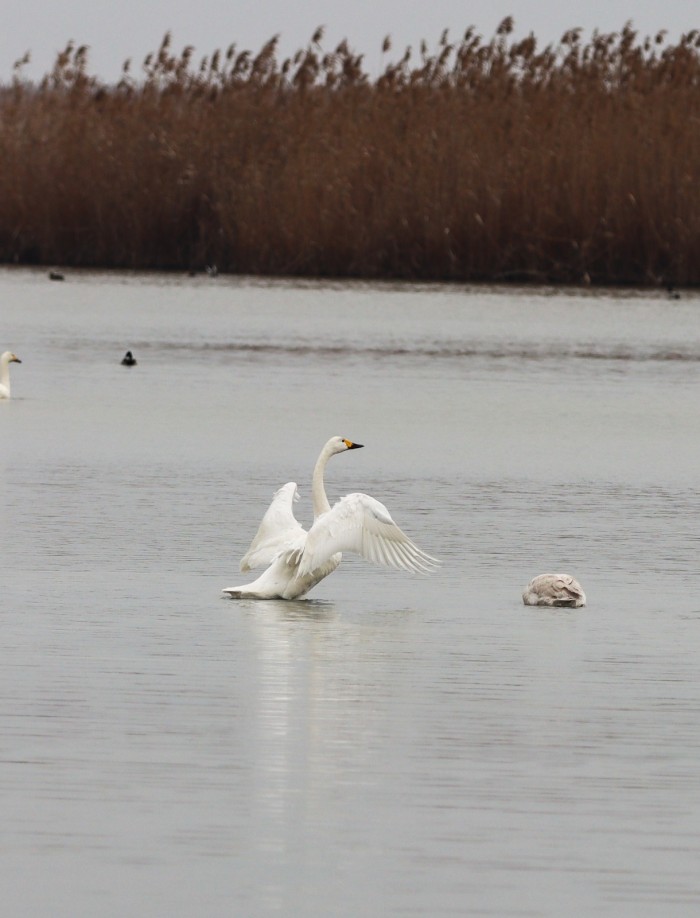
[(297, 560), (554, 590), (5, 360)]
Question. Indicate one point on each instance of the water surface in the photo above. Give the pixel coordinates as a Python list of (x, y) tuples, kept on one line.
[(394, 745)]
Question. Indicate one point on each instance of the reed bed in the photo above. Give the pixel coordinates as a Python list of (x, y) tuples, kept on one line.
[(473, 161)]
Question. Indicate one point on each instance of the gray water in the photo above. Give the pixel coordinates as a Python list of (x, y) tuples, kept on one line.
[(393, 745)]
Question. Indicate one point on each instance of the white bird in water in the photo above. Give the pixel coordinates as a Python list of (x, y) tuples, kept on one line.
[(554, 590), (296, 560), (5, 360)]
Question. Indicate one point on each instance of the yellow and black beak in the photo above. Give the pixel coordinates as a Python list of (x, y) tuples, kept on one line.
[(351, 445), (15, 359)]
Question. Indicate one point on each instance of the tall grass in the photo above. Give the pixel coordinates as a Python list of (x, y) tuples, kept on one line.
[(477, 160)]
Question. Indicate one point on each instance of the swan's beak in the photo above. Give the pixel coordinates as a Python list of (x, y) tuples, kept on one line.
[(14, 359), (351, 445)]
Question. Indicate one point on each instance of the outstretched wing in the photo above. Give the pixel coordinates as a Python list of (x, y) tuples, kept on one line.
[(361, 524), (279, 529)]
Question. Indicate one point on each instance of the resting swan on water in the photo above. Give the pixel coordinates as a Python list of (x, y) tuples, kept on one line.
[(5, 360), (554, 590), (297, 560)]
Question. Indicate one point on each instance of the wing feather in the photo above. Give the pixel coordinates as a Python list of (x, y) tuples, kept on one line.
[(360, 524), (392, 555), (278, 530)]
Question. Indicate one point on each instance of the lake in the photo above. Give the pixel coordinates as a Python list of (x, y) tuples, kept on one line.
[(393, 745)]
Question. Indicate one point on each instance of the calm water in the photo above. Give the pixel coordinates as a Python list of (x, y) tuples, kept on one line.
[(394, 745)]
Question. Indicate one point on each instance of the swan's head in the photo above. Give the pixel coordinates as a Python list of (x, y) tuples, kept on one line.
[(340, 444), (9, 357)]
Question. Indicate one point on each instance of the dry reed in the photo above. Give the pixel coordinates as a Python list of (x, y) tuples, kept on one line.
[(476, 161)]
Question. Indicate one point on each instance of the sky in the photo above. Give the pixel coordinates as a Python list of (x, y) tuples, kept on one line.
[(116, 30)]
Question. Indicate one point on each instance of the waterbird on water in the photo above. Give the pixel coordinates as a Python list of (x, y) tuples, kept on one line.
[(5, 360), (128, 360), (554, 590), (296, 560)]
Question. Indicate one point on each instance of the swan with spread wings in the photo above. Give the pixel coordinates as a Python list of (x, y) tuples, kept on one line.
[(296, 560)]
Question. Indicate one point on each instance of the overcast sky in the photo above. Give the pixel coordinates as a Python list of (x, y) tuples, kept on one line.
[(120, 29)]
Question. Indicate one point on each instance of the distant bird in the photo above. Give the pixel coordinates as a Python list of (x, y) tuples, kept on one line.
[(128, 360), (5, 360), (296, 560), (56, 275), (554, 590)]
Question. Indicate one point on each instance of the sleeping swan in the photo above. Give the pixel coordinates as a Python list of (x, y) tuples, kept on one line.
[(554, 590), (5, 360), (296, 560)]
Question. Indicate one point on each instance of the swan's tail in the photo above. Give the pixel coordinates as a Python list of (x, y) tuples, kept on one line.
[(247, 591), (233, 593)]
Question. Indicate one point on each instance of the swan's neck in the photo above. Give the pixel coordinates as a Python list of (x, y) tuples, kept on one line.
[(318, 490), (5, 374)]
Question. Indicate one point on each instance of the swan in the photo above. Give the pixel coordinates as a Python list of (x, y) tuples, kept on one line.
[(554, 590), (296, 560), (5, 360)]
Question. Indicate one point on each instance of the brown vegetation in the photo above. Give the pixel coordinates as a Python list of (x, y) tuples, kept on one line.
[(481, 161)]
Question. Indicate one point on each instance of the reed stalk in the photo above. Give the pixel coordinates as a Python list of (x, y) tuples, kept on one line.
[(474, 161)]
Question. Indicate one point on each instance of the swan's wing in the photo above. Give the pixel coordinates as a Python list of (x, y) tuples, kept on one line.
[(361, 524), (279, 529), (568, 588)]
